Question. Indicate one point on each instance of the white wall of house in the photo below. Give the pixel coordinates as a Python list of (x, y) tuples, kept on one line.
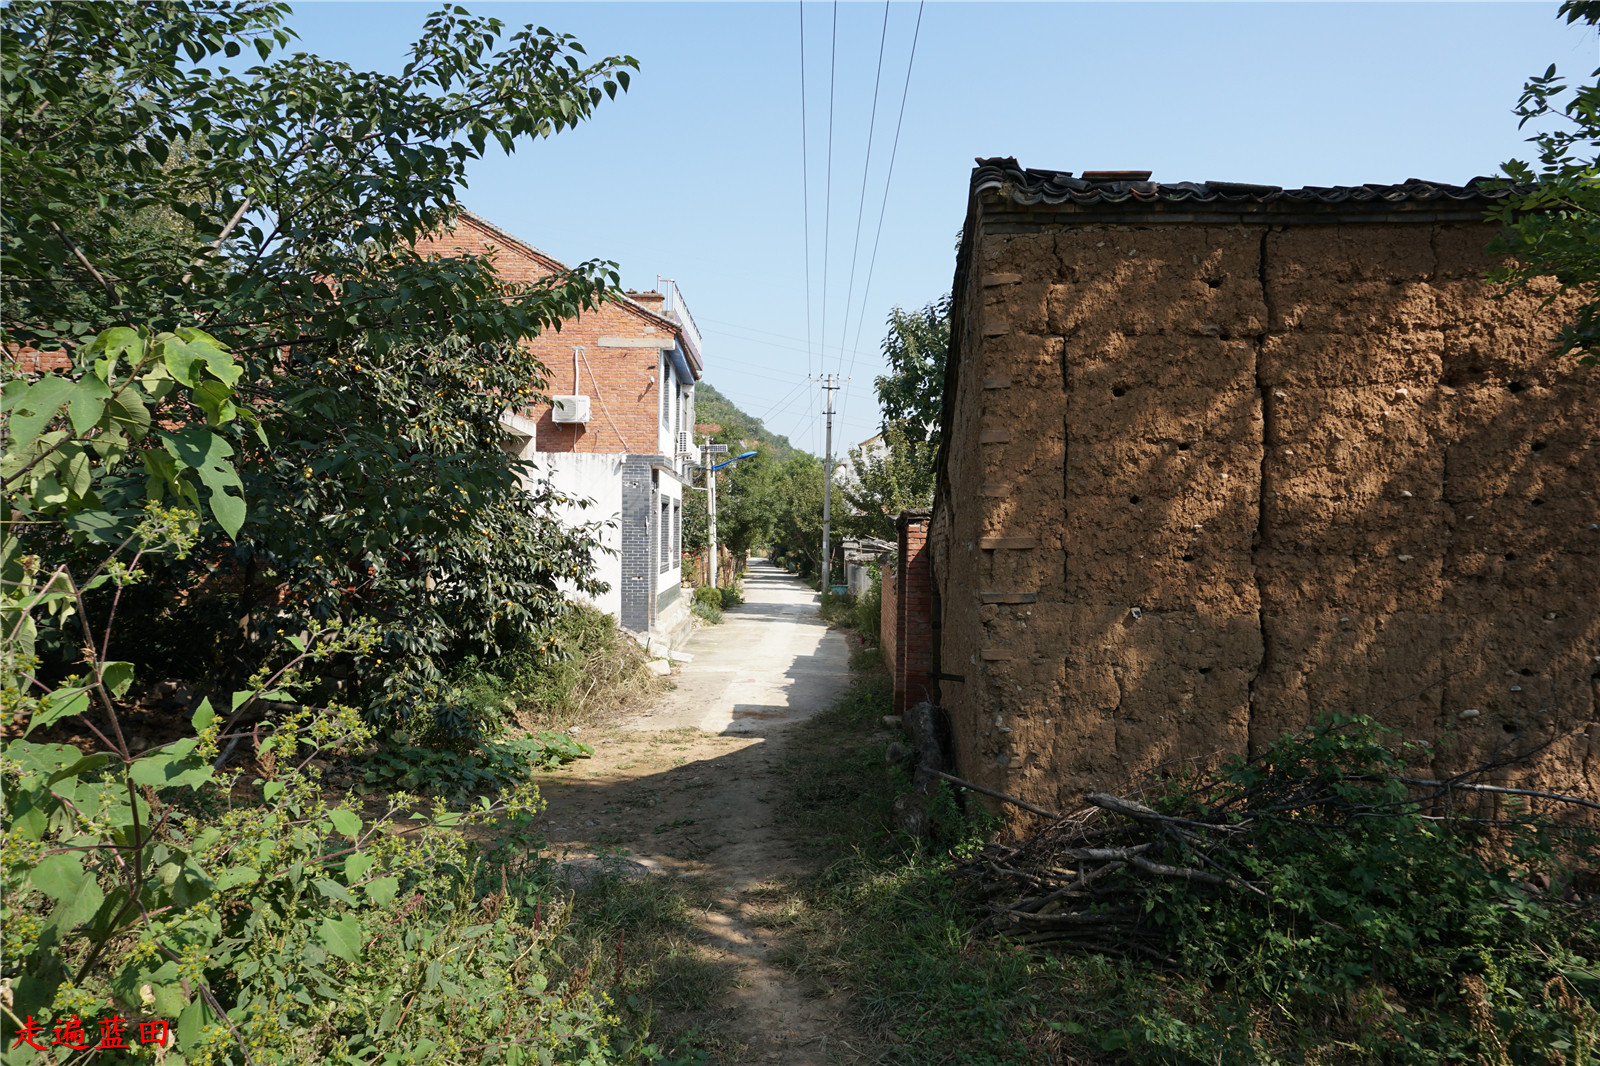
[(597, 478)]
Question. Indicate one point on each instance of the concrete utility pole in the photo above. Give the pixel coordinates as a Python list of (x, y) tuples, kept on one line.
[(830, 385), (711, 510)]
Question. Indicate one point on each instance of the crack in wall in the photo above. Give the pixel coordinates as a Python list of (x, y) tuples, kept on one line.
[(1258, 542)]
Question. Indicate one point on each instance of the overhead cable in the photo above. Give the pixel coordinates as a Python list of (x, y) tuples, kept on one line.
[(861, 204)]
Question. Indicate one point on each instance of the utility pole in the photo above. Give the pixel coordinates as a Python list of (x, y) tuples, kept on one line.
[(711, 510), (830, 385)]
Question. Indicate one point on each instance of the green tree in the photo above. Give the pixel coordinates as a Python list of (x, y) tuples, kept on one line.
[(911, 394), (1552, 224), (884, 483), (277, 207), (794, 506)]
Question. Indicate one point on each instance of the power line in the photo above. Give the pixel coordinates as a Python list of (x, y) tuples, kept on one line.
[(772, 344), (805, 185), (827, 199), (866, 167), (886, 181)]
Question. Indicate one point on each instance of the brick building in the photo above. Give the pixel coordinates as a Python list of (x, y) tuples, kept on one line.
[(617, 430), (1220, 458)]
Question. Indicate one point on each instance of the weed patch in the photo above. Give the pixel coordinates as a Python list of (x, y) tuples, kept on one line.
[(582, 668)]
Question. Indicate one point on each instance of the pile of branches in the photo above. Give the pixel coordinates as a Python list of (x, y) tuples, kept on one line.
[(1084, 882)]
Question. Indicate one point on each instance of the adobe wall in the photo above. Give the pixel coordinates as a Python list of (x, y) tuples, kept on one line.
[(631, 373), (1205, 481)]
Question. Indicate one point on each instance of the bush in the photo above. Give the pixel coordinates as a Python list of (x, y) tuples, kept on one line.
[(708, 595), (580, 666), (1395, 940), (732, 595), (260, 921), (708, 612), (867, 614)]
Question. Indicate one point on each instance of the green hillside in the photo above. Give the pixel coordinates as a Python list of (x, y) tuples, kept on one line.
[(710, 406)]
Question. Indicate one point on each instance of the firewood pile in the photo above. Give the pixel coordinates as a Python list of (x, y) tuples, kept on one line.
[(1081, 882), (1078, 883)]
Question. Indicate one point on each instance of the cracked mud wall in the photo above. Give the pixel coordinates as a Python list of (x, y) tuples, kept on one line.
[(1205, 482)]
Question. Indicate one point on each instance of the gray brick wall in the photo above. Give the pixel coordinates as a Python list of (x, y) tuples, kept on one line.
[(639, 539)]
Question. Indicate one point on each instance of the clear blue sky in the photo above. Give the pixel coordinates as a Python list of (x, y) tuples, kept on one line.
[(695, 173)]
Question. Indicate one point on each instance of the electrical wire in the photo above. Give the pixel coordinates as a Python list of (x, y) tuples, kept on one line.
[(886, 182), (805, 184), (827, 197), (866, 167)]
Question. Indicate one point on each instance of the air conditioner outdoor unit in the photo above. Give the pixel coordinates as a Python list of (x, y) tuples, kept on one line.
[(567, 409), (685, 444)]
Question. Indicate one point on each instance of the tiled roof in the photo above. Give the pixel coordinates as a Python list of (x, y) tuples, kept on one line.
[(556, 264), (1028, 187)]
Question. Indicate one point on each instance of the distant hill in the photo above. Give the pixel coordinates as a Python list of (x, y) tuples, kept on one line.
[(713, 407)]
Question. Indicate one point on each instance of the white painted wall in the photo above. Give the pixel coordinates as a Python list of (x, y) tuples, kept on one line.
[(598, 478)]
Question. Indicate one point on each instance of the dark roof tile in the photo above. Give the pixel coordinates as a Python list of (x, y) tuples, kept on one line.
[(1030, 186)]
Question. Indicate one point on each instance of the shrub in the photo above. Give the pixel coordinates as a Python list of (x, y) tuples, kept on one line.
[(708, 612), (260, 921), (732, 595), (708, 595), (867, 613), (579, 666)]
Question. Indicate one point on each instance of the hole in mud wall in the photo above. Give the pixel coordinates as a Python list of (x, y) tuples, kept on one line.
[(1526, 672), (1509, 556), (1205, 669), (1537, 502), (1119, 391), (1516, 386), (1133, 499), (1183, 447), (1508, 727), (1215, 283), (1537, 446), (1188, 558)]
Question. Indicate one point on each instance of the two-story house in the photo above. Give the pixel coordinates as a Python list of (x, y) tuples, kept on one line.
[(617, 429)]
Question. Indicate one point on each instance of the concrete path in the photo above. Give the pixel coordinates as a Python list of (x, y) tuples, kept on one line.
[(688, 790), (771, 662)]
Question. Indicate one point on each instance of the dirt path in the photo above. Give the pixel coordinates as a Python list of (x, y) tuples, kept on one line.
[(688, 791)]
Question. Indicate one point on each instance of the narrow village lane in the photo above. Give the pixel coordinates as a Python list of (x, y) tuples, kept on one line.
[(688, 791)]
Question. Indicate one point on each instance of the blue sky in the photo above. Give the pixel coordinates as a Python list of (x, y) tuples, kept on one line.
[(695, 174)]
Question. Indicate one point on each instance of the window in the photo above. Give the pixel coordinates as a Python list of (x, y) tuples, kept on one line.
[(677, 533), (666, 534), (666, 390)]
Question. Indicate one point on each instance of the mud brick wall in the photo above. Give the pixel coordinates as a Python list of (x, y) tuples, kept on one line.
[(1206, 481)]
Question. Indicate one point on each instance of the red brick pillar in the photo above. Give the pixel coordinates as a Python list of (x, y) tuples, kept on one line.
[(913, 645)]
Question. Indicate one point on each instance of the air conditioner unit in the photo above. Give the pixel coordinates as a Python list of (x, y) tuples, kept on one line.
[(569, 409), (685, 444)]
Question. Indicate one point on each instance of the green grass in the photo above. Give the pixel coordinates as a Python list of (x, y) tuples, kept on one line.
[(646, 925)]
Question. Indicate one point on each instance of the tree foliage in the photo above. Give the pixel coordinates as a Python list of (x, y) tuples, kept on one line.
[(911, 394), (886, 481), (1552, 226), (276, 206), (135, 888)]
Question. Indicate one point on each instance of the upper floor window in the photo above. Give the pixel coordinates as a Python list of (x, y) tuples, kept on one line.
[(667, 389)]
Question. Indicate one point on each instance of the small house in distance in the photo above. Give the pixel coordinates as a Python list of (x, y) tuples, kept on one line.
[(616, 429), (1219, 458)]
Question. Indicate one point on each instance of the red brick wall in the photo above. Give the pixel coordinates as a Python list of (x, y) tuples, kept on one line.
[(913, 642), (32, 361), (624, 411)]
